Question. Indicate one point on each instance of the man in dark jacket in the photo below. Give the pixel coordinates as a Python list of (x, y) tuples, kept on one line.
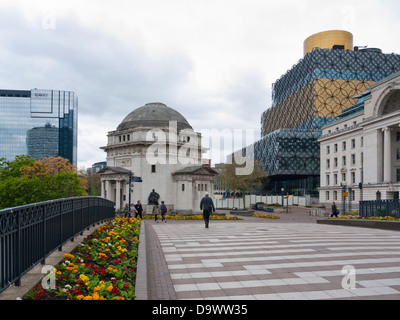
[(207, 206), (139, 209), (335, 211)]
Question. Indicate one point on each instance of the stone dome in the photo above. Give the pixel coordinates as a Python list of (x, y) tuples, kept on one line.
[(154, 115)]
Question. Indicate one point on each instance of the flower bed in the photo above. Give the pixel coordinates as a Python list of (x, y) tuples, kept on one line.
[(102, 267), (265, 216), (192, 217)]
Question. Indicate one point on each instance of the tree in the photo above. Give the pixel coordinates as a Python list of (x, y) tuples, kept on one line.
[(94, 183), (231, 176), (26, 180)]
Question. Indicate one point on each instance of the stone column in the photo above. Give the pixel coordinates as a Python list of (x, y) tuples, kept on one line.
[(108, 190), (387, 156), (103, 189), (118, 195), (379, 156)]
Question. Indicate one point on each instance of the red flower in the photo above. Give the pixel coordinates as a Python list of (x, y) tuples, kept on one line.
[(81, 283), (76, 292), (115, 290)]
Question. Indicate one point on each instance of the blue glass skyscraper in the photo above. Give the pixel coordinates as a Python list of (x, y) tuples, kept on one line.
[(39, 123)]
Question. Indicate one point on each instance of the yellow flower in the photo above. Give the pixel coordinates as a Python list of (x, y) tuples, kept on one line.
[(80, 297), (88, 298), (84, 279), (68, 256), (96, 296), (109, 288)]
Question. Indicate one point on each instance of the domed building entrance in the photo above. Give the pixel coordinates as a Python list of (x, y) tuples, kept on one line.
[(156, 143)]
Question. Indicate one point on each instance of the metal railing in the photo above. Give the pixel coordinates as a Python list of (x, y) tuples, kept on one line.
[(29, 234), (380, 208)]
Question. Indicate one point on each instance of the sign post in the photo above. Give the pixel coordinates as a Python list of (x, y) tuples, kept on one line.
[(131, 180)]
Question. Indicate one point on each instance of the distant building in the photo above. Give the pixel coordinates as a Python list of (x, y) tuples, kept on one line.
[(157, 144), (39, 123), (96, 167), (309, 96), (362, 148)]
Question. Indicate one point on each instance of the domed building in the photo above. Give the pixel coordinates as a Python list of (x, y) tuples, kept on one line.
[(157, 144)]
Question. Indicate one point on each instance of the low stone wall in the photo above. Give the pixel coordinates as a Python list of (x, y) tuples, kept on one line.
[(245, 213), (386, 225)]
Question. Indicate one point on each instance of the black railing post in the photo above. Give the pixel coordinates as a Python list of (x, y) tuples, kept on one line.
[(81, 200), (44, 235), (18, 253), (73, 220), (61, 228)]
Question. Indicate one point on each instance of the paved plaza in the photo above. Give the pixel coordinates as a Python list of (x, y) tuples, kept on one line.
[(262, 259)]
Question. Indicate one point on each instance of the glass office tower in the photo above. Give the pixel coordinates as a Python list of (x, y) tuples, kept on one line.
[(39, 123)]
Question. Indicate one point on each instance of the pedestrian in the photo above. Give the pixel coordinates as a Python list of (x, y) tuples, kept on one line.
[(163, 210), (207, 205), (335, 211), (156, 211), (139, 209), (133, 210)]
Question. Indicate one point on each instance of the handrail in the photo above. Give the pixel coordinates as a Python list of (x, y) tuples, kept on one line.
[(30, 233)]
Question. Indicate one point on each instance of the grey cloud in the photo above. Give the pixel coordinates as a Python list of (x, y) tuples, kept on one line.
[(104, 72)]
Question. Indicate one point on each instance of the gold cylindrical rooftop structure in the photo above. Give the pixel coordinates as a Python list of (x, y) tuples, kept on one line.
[(329, 40)]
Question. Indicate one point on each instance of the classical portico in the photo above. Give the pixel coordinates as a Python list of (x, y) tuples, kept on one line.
[(114, 185), (381, 128), (364, 147)]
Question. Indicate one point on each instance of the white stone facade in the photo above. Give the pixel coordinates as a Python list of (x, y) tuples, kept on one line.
[(364, 148), (166, 156)]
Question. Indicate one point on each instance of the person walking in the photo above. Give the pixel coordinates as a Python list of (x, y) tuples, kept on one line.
[(207, 205), (335, 211), (156, 211), (164, 210), (139, 209)]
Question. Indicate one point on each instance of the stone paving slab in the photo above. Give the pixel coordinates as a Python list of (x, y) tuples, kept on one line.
[(259, 259)]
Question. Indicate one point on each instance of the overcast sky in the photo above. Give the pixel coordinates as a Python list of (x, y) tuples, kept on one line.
[(214, 61)]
